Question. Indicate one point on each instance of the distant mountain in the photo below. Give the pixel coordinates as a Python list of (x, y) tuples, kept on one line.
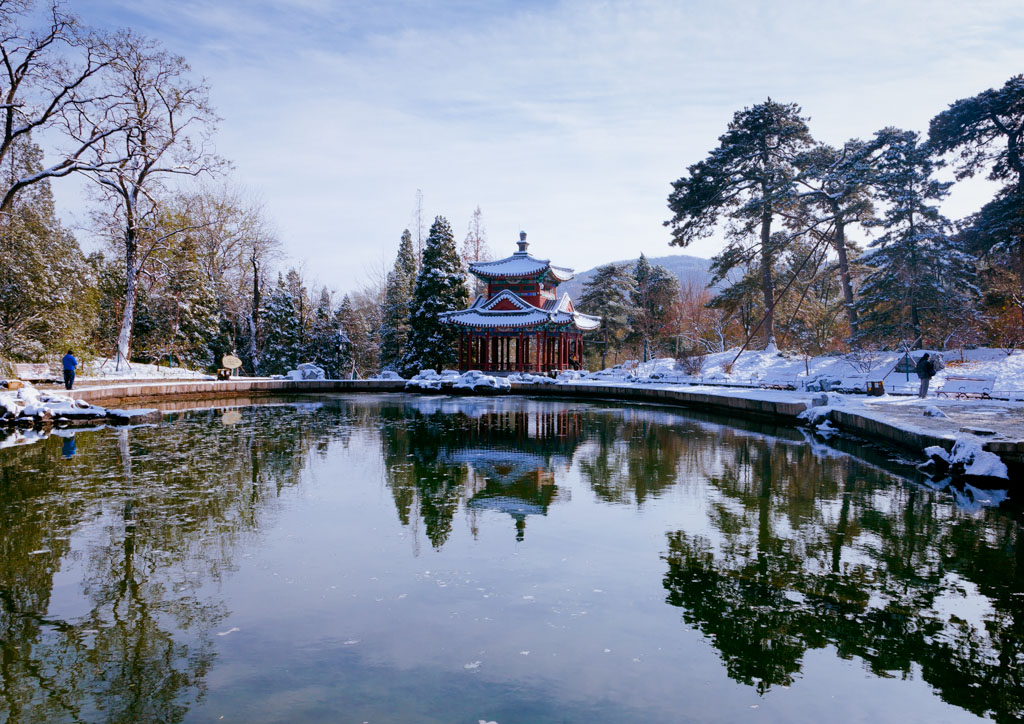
[(686, 268)]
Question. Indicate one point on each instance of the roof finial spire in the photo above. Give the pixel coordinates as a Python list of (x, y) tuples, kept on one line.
[(522, 242)]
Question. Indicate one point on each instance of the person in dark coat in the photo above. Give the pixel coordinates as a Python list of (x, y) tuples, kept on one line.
[(925, 371), (70, 364)]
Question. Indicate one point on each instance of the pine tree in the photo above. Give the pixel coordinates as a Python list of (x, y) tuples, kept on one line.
[(440, 287), (988, 132), (839, 192), (394, 330), (655, 291), (282, 346), (185, 312), (327, 345), (47, 291), (349, 328), (750, 178), (607, 294), (919, 277)]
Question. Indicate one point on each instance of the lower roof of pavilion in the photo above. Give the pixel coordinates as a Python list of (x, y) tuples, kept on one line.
[(507, 310)]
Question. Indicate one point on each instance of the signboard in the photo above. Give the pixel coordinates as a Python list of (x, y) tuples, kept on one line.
[(230, 362)]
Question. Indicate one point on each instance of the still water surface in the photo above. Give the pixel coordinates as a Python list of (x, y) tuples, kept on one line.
[(413, 559)]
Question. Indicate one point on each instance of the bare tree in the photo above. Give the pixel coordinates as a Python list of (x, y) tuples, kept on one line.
[(417, 224), (235, 244), (164, 121), (49, 79), (475, 248)]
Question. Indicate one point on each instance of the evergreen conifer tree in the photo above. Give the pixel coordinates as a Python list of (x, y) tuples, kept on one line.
[(282, 345), (47, 291), (655, 290), (327, 345), (351, 330), (394, 330), (607, 294), (750, 178), (919, 276), (440, 287), (988, 132)]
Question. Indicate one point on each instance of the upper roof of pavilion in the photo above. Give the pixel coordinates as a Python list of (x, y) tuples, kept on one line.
[(508, 309), (521, 265)]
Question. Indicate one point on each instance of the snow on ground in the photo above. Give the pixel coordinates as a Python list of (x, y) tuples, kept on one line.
[(848, 372), (105, 369)]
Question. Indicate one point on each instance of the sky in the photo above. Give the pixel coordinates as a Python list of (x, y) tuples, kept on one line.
[(566, 119)]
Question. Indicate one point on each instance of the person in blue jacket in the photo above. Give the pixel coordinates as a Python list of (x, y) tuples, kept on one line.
[(70, 363)]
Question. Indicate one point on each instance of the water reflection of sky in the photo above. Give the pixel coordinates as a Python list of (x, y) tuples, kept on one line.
[(506, 560)]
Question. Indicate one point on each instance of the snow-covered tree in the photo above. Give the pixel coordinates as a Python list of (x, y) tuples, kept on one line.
[(327, 345), (394, 330), (987, 132), (919, 276), (283, 339), (440, 287), (652, 298), (750, 181), (178, 312), (163, 119), (607, 294)]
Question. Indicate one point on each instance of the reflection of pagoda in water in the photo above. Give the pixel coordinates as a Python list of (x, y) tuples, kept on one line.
[(513, 456)]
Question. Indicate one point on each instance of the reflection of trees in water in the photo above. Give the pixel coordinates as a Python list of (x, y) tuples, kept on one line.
[(499, 459), (813, 551), (631, 457), (173, 504)]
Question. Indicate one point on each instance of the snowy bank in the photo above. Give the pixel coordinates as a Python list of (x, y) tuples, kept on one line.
[(107, 370), (30, 407)]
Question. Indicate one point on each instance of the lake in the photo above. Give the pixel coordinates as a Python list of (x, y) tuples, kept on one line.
[(391, 558)]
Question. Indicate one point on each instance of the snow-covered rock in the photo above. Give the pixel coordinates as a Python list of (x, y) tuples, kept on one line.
[(474, 379), (526, 378), (431, 380), (570, 375), (387, 375), (32, 405), (975, 461), (933, 411), (307, 371)]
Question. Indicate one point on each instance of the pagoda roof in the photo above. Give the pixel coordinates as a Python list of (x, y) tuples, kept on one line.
[(508, 309), (520, 265)]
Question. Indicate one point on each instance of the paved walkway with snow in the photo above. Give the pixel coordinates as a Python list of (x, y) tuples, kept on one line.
[(1006, 419)]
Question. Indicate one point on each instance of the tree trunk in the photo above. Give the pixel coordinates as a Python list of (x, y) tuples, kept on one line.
[(767, 287), (124, 337), (254, 317), (844, 273)]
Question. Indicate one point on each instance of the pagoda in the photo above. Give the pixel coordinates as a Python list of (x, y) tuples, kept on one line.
[(521, 324)]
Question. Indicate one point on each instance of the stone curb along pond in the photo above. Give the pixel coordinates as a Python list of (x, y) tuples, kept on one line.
[(784, 408)]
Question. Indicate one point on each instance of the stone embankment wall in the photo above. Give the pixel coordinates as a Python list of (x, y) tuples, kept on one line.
[(781, 411)]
